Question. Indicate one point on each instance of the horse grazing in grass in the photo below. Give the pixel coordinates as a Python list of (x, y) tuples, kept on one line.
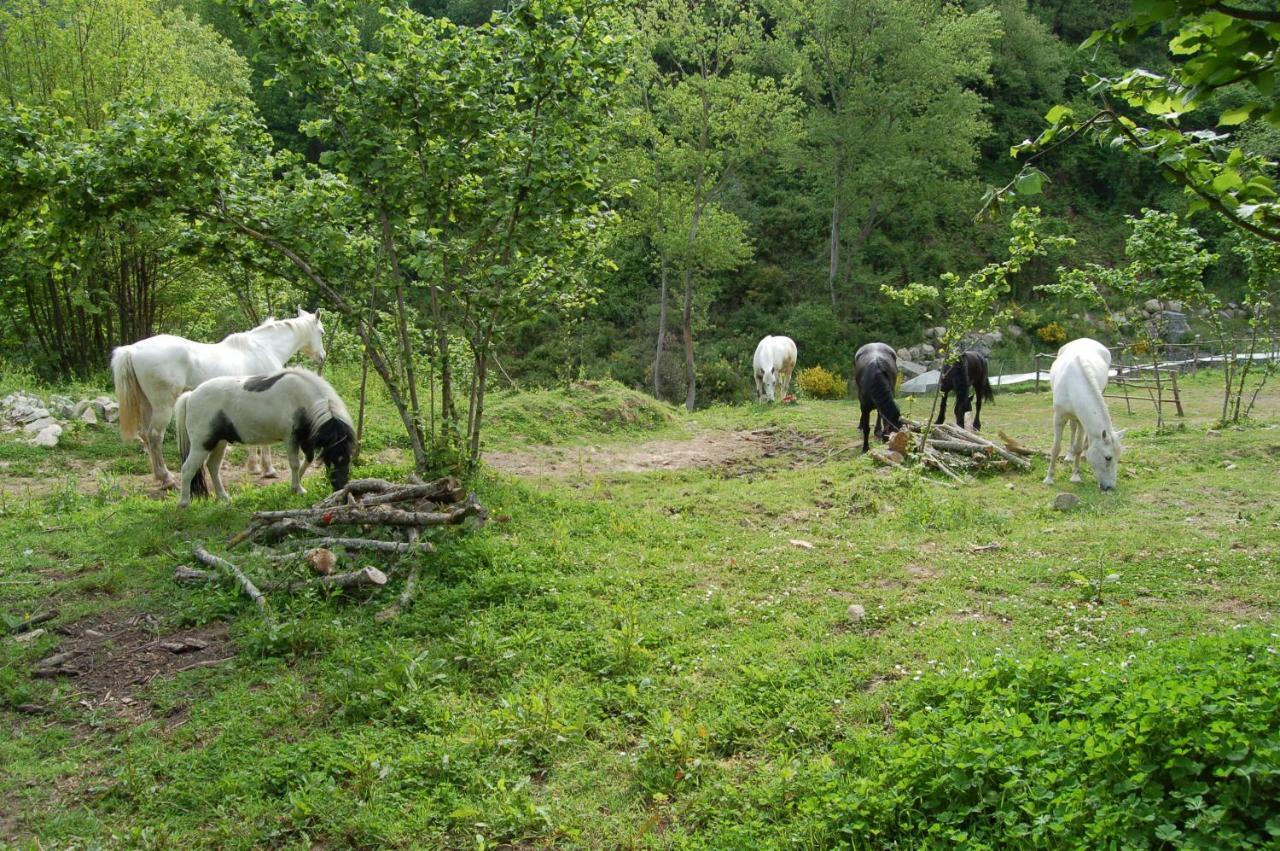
[(293, 406), (151, 373), (969, 371), (875, 371), (772, 366), (1078, 377)]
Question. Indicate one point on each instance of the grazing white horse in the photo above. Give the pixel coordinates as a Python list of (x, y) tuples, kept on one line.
[(773, 364), (293, 406), (150, 374), (1078, 377)]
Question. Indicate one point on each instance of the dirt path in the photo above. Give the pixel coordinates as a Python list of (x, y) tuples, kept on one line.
[(740, 452)]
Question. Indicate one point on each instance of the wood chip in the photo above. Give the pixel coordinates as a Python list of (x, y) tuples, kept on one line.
[(804, 545)]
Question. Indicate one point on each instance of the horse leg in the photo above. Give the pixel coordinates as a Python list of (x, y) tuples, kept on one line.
[(1077, 449), (215, 469), (161, 413), (786, 381), (942, 409), (977, 413), (1059, 420), (864, 423), (296, 468), (268, 467), (759, 386)]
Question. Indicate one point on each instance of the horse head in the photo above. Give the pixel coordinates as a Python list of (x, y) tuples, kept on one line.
[(1103, 456), (769, 380), (311, 332)]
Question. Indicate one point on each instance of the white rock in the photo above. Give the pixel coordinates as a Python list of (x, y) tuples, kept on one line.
[(856, 612), (48, 437), (39, 425), (88, 416)]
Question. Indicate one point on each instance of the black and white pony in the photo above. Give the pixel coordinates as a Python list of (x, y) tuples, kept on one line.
[(875, 371), (293, 406), (969, 372)]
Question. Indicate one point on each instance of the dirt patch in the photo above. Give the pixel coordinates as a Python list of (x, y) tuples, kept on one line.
[(112, 658), (735, 453), (92, 479)]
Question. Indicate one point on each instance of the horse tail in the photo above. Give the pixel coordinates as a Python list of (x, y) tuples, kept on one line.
[(199, 487), (881, 392), (984, 382), (135, 407), (960, 381)]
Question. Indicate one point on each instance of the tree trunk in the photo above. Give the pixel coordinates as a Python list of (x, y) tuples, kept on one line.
[(662, 325), (687, 328), (833, 264)]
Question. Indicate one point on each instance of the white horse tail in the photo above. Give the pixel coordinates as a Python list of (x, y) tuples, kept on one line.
[(135, 407), (199, 487)]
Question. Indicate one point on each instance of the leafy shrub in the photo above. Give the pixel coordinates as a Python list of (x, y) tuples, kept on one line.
[(721, 381), (1181, 747), (1052, 334), (816, 382)]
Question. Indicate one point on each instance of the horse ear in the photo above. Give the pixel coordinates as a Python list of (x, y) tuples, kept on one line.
[(300, 310), (1120, 433), (317, 313)]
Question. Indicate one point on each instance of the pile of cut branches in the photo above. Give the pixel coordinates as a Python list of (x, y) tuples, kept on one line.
[(952, 450), (374, 518)]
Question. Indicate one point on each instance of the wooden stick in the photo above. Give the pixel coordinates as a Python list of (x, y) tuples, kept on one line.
[(960, 446), (376, 516), (410, 584), (933, 459), (444, 490), (363, 578), (368, 544), (970, 437), (34, 620), (249, 588)]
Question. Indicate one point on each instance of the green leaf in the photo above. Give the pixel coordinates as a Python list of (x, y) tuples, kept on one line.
[(1030, 182), (1059, 112), (1237, 115)]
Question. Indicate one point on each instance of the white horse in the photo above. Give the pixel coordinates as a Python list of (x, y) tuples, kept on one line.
[(774, 361), (1078, 377), (151, 373), (293, 406)]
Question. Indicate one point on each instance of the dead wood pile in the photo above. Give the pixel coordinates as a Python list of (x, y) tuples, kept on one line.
[(953, 451), (375, 519)]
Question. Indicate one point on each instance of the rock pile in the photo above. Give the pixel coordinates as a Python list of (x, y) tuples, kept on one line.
[(926, 353), (45, 421)]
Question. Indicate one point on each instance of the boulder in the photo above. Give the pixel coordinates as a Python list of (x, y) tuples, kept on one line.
[(80, 408), (1015, 332), (927, 350), (1152, 305), (111, 411), (856, 613), (48, 436), (88, 417), (903, 355), (910, 369), (923, 383), (39, 425)]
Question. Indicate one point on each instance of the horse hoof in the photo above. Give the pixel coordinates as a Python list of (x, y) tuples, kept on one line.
[(1048, 480), (1076, 480), (271, 474)]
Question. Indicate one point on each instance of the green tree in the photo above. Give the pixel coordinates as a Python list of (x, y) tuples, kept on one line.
[(1225, 77), (85, 86), (702, 112), (892, 115), (468, 157)]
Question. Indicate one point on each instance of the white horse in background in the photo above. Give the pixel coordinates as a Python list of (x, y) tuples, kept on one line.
[(1078, 377), (293, 406), (773, 364), (150, 374)]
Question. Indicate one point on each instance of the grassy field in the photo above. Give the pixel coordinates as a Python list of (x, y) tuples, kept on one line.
[(672, 657)]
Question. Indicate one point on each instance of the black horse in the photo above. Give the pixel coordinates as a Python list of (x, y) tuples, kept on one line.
[(875, 371), (968, 372)]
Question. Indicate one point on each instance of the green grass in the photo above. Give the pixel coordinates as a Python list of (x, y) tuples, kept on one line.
[(646, 660)]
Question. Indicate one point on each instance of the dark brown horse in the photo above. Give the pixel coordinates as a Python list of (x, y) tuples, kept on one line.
[(875, 371), (968, 372)]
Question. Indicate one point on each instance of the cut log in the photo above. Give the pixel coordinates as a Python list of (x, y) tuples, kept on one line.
[(184, 575), (377, 491), (961, 446), (1014, 446), (246, 585), (321, 560), (366, 577)]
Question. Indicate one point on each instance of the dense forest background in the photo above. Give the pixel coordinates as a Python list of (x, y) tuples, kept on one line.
[(752, 167)]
